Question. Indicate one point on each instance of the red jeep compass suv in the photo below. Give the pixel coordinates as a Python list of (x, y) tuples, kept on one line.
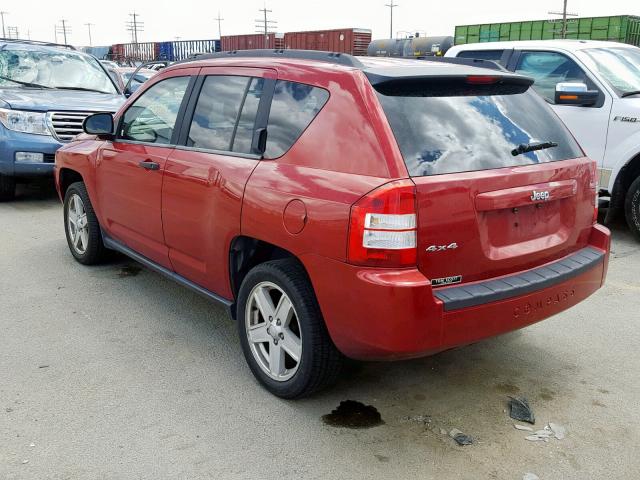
[(371, 208)]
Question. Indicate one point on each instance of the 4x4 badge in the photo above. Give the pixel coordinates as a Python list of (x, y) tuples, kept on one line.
[(442, 248)]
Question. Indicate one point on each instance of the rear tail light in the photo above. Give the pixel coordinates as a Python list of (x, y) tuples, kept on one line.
[(383, 227)]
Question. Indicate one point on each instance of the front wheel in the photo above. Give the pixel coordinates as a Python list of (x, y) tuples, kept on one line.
[(632, 207), (81, 226), (282, 332)]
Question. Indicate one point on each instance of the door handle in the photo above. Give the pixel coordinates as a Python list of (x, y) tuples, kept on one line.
[(149, 165)]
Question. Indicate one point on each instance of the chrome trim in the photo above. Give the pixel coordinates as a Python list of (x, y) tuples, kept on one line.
[(64, 126)]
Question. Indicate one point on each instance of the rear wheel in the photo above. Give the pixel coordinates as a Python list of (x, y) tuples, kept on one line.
[(7, 188), (632, 207), (81, 226), (282, 332)]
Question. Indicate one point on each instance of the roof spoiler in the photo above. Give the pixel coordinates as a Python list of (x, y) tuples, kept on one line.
[(469, 62)]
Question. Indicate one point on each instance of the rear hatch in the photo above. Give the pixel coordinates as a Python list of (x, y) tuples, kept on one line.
[(501, 184)]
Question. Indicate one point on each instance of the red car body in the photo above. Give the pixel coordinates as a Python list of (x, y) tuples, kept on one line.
[(188, 215)]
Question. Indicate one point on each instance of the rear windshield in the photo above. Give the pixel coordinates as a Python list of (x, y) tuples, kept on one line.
[(462, 133)]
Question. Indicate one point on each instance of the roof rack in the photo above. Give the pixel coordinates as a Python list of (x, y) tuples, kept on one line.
[(469, 62), (37, 42), (316, 55)]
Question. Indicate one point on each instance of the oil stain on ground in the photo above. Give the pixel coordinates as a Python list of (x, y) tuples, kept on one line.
[(352, 414), (129, 271)]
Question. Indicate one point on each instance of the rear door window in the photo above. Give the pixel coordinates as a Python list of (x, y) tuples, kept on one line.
[(294, 107), (548, 69), (458, 131), (214, 122)]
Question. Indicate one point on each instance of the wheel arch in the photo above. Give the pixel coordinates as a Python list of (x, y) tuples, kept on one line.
[(67, 177), (625, 177), (247, 252)]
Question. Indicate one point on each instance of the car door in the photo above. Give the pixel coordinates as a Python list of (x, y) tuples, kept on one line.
[(206, 174), (130, 168), (588, 124)]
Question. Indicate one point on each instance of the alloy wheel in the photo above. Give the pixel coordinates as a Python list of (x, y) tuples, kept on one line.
[(77, 224), (273, 331)]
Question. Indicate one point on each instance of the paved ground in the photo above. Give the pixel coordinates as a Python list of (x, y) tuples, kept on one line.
[(116, 373)]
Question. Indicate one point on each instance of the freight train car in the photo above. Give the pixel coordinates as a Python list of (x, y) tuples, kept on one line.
[(252, 41), (353, 41), (621, 28), (183, 49), (415, 47)]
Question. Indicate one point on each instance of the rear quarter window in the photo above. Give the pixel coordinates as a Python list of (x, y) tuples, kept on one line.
[(461, 133), (293, 108), (493, 55)]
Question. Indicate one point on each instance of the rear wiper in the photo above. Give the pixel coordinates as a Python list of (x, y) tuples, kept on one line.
[(532, 147), (628, 94), (82, 89), (26, 84)]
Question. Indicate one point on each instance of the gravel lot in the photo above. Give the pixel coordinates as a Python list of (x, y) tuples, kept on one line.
[(113, 372)]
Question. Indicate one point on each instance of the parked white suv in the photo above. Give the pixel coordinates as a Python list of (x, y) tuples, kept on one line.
[(595, 89)]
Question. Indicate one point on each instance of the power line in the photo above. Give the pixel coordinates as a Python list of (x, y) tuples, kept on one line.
[(89, 25), (4, 33), (564, 14), (135, 26), (65, 30), (265, 25), (219, 19), (391, 7)]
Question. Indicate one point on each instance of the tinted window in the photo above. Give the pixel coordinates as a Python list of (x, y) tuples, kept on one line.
[(246, 123), (214, 120), (448, 134), (294, 107), (152, 117), (494, 55), (549, 69)]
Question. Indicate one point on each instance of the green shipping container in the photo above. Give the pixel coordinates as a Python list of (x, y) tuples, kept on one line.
[(623, 28)]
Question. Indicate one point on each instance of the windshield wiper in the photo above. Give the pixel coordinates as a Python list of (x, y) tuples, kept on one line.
[(82, 89), (532, 147), (26, 84), (628, 94)]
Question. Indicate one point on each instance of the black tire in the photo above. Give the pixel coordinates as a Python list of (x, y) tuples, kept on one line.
[(632, 207), (320, 362), (7, 188), (94, 251)]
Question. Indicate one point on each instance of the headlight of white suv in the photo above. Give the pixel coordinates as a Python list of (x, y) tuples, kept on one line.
[(25, 122)]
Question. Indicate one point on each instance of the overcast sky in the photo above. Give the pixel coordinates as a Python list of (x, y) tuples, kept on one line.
[(194, 19)]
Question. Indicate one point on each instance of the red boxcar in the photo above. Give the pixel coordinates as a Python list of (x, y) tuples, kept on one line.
[(251, 41), (344, 40)]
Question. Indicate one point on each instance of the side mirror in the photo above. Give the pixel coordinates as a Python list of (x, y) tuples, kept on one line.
[(131, 89), (100, 124), (573, 93)]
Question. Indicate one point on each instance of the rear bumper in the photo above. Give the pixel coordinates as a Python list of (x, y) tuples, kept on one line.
[(393, 314)]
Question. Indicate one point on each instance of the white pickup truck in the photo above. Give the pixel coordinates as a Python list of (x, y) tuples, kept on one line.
[(594, 87)]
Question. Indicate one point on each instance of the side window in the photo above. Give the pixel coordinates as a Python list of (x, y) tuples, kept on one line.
[(493, 55), (225, 114), (549, 69), (294, 107), (152, 117)]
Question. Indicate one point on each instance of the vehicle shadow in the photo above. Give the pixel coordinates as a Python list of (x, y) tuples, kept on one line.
[(42, 190)]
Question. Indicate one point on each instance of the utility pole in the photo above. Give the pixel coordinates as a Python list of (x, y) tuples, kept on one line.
[(89, 25), (12, 32), (4, 33), (219, 19), (391, 7), (64, 30), (135, 26), (564, 14), (264, 25)]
